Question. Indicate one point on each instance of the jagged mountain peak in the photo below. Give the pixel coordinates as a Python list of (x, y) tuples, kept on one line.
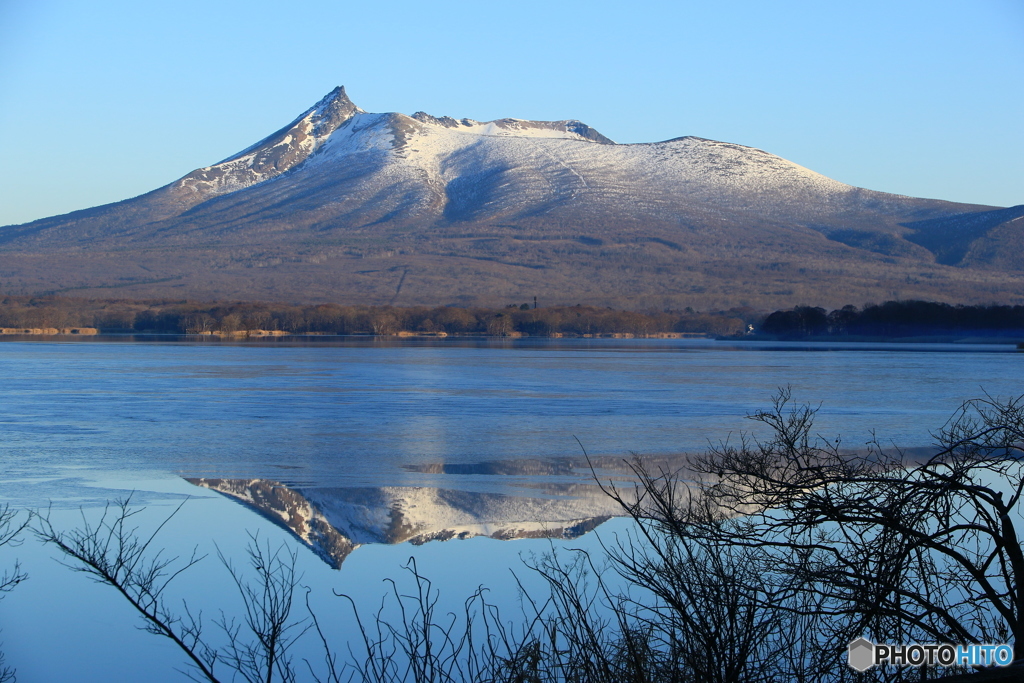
[(273, 155), (567, 128), (334, 109), (292, 145)]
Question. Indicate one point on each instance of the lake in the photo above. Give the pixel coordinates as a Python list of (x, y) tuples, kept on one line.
[(454, 438)]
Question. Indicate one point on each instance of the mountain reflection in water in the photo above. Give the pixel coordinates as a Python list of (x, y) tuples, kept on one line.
[(335, 521)]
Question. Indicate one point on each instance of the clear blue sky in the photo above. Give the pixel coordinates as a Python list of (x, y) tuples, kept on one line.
[(104, 100)]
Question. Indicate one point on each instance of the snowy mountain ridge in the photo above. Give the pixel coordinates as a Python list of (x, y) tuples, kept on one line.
[(442, 148), (344, 205)]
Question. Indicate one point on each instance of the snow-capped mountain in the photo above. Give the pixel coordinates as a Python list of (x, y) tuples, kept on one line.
[(335, 521), (275, 154), (403, 166), (345, 205)]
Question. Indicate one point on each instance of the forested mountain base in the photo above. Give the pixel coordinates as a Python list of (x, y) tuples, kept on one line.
[(898, 319), (240, 318), (891, 320)]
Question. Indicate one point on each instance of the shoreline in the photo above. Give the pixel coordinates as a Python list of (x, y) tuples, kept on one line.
[(276, 337)]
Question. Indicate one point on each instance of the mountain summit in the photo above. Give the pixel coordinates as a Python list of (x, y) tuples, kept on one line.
[(350, 206), (276, 154)]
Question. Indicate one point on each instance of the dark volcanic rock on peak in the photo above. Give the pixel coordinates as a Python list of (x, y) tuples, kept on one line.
[(275, 154), (569, 127), (446, 121)]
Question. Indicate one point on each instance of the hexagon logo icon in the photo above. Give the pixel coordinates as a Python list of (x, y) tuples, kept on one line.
[(861, 654)]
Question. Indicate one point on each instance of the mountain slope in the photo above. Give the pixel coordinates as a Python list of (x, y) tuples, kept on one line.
[(346, 205)]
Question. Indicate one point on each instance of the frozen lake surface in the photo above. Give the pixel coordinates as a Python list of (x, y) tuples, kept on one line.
[(86, 422), (77, 415)]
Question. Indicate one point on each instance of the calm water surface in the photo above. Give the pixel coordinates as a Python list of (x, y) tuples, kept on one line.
[(354, 415), (84, 422)]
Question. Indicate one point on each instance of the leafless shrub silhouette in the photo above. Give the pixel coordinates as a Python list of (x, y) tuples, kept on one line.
[(11, 526), (111, 551), (10, 532), (268, 606), (876, 544), (422, 645)]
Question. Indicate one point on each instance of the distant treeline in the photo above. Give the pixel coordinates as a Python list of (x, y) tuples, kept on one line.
[(898, 319), (185, 317)]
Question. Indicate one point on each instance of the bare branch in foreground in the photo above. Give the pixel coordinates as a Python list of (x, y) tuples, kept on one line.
[(112, 551)]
